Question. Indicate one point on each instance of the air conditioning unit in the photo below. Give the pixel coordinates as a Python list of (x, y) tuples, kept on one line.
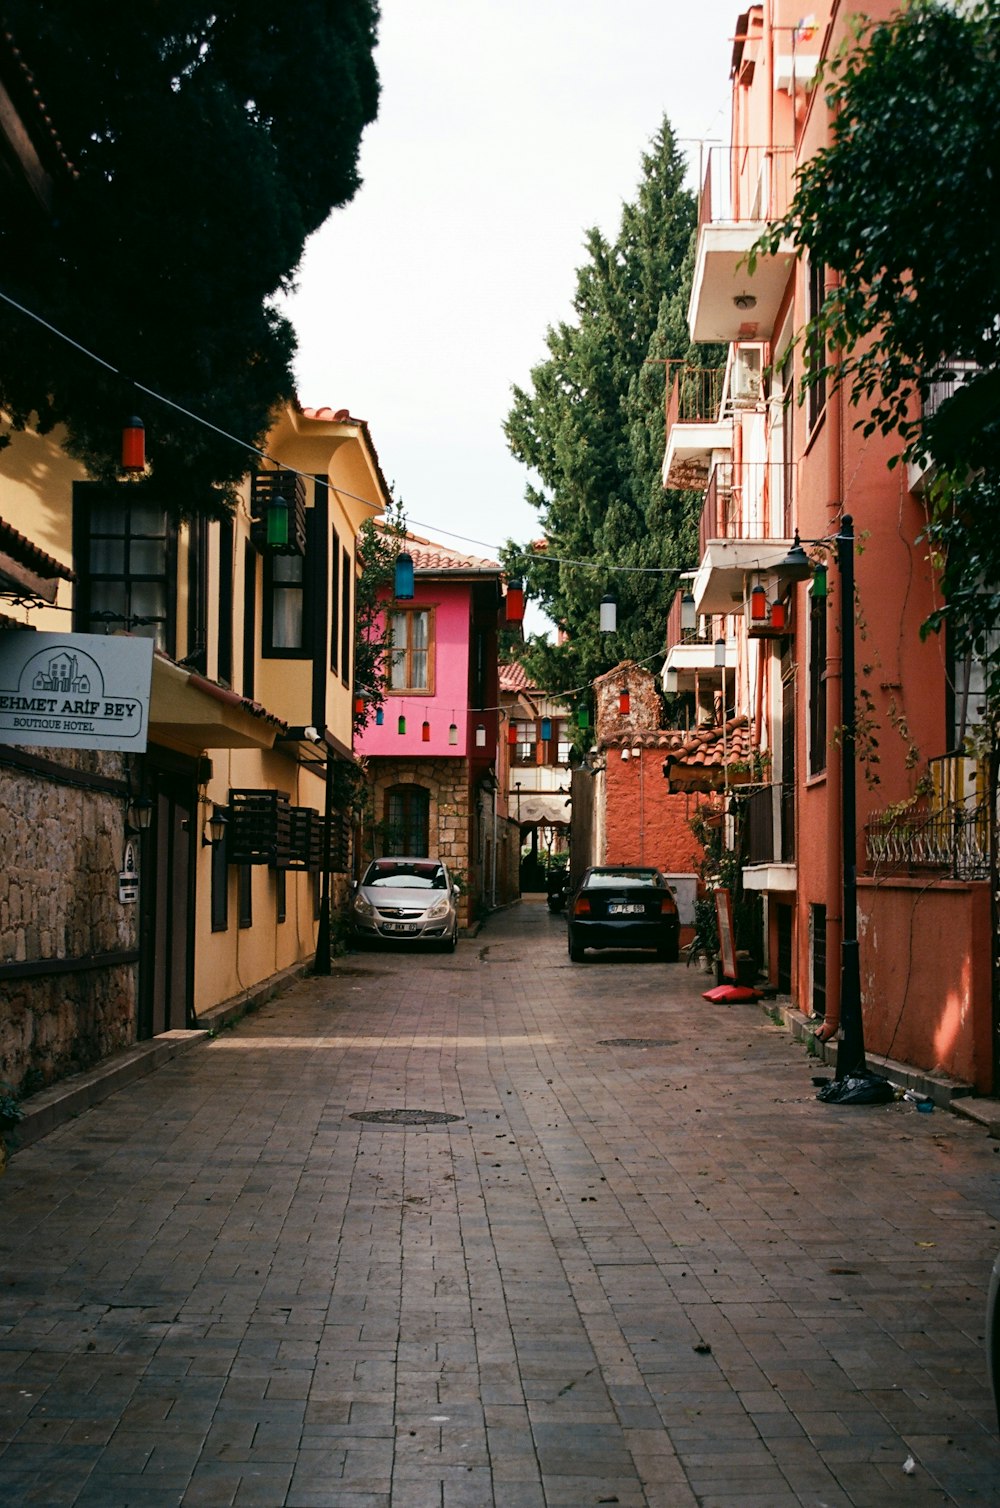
[(746, 385)]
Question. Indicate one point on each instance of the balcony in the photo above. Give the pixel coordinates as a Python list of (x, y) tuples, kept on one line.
[(744, 531), (690, 653), (696, 428), (769, 832), (945, 833), (920, 473), (745, 189)]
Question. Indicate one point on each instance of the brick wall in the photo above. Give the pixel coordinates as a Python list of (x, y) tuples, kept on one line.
[(645, 823), (60, 853), (447, 781)]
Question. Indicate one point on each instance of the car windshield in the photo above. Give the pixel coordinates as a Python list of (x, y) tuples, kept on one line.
[(403, 876), (606, 879)]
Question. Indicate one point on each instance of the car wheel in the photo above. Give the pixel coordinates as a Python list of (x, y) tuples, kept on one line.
[(451, 943), (575, 951)]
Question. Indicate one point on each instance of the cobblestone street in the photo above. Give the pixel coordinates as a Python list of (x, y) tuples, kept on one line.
[(641, 1266)]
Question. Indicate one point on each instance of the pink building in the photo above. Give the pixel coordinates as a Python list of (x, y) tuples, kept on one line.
[(432, 760)]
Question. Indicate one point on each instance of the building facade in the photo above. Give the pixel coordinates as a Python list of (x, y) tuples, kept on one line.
[(776, 460)]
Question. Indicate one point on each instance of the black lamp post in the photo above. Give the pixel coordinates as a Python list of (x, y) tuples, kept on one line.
[(796, 567)]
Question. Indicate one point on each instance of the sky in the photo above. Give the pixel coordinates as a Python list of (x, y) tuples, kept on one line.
[(506, 128)]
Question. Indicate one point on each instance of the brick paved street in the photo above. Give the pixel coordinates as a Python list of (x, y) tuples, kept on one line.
[(657, 1275)]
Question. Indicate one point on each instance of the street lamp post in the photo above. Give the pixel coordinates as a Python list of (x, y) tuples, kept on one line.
[(851, 1046), (321, 964)]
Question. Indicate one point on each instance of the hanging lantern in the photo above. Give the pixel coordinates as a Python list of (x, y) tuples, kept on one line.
[(609, 613), (720, 654), (512, 734), (670, 682), (480, 735), (758, 604), (425, 732), (379, 717), (403, 585), (624, 701), (359, 706), (819, 582), (515, 600), (401, 725), (778, 615), (276, 520), (133, 445), (689, 618), (583, 718), (546, 729), (453, 733)]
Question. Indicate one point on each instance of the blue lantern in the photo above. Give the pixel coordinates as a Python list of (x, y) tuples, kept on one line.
[(546, 729), (404, 577), (379, 717)]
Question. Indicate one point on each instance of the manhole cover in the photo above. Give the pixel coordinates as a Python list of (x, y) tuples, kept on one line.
[(404, 1117), (638, 1042)]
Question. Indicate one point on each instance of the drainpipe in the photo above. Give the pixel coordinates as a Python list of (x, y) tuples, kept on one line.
[(834, 771)]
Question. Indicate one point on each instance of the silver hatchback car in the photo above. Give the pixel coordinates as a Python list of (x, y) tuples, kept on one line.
[(406, 900)]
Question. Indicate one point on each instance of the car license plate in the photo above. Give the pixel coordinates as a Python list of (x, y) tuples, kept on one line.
[(399, 927), (625, 910)]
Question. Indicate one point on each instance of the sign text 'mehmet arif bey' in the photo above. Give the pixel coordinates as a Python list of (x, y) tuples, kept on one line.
[(75, 691)]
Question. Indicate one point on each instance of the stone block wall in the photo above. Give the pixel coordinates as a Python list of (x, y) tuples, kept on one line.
[(447, 781), (61, 848)]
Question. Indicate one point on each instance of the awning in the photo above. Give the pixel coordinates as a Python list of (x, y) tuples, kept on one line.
[(187, 708)]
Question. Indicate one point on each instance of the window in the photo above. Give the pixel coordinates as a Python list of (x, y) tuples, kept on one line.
[(245, 874), (817, 685), (816, 346), (226, 540), (526, 748), (125, 553), (284, 605), (220, 883), (411, 661), (346, 620), (556, 750), (334, 602), (407, 820), (249, 618)]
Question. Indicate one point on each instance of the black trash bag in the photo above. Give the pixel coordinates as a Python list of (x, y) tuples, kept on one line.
[(858, 1089)]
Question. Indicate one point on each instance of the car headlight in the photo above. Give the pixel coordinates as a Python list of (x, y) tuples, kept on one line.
[(362, 906), (439, 909)]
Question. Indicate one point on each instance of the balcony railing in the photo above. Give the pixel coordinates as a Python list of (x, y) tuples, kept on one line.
[(751, 500), (745, 185), (957, 375), (769, 818), (946, 831), (695, 396)]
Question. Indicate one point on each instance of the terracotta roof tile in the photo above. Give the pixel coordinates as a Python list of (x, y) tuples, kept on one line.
[(515, 678), (431, 557), (18, 545)]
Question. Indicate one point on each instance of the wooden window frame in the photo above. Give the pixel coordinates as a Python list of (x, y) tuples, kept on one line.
[(334, 602), (300, 651), (408, 790), (411, 609)]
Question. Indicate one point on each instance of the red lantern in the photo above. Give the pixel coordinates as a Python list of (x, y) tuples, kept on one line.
[(778, 615), (425, 732), (133, 445), (512, 734), (359, 705), (624, 701), (758, 604), (515, 600)]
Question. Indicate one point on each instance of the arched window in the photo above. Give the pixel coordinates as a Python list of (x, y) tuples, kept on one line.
[(407, 820)]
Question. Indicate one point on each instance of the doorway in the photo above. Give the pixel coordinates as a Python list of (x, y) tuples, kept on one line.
[(166, 918)]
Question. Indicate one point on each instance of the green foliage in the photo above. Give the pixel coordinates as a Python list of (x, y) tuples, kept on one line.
[(208, 141), (902, 205), (378, 546), (591, 429)]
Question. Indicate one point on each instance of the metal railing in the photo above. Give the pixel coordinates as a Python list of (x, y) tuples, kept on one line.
[(745, 185), (694, 395), (745, 501), (947, 830)]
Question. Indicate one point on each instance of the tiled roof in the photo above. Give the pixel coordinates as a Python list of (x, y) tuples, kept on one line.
[(694, 755), (515, 678), (431, 557), (20, 547), (327, 415)]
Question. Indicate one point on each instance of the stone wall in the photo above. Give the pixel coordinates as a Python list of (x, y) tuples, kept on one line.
[(60, 852), (447, 781)]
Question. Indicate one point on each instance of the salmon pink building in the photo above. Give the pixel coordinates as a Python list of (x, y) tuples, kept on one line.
[(777, 461)]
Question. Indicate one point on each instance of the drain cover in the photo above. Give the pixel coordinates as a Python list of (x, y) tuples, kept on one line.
[(638, 1042), (404, 1117)]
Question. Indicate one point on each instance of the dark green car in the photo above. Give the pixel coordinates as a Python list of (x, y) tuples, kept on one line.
[(624, 906)]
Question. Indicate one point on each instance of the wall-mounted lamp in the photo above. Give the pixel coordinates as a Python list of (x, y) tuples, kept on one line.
[(745, 301), (139, 817), (796, 565), (215, 827)]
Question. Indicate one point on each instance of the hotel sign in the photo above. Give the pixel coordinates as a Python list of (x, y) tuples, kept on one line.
[(74, 691)]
